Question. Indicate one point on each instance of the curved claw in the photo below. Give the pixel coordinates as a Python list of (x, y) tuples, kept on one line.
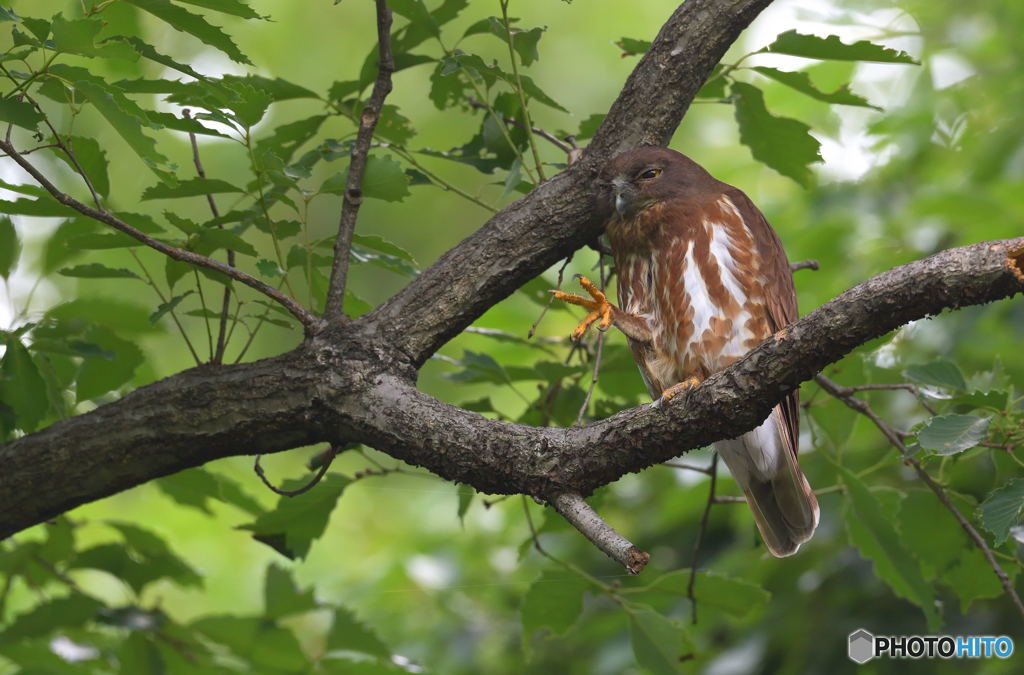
[(599, 307)]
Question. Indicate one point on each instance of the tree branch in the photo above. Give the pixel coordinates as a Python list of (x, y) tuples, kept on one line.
[(351, 386), (353, 197), (298, 311), (581, 516), (846, 395), (559, 216)]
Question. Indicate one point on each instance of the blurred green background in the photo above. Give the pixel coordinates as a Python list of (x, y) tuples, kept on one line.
[(940, 164)]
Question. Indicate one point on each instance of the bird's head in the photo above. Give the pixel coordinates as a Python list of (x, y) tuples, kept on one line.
[(639, 179)]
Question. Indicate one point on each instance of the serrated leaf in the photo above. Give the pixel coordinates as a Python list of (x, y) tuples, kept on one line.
[(148, 51), (269, 268), (383, 178), (22, 387), (124, 115), (10, 247), (296, 521), (99, 376), (832, 48), (282, 597), (553, 602), (168, 306), (1001, 510), (465, 493), (92, 158), (881, 544), (349, 634), (97, 271), (781, 143), (659, 643), (479, 367), (193, 24), (972, 578), (801, 82), (265, 646), (935, 547), (632, 46), (211, 239), (76, 36), (491, 73), (196, 487), (950, 434), (937, 373), (233, 7), (44, 207), (20, 113), (193, 187)]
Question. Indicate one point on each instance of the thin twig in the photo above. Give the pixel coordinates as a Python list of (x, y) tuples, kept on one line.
[(580, 515), (331, 454), (903, 386), (687, 467), (546, 135), (713, 472), (163, 300), (846, 395), (218, 354), (809, 264), (519, 87), (353, 197), (301, 313), (551, 297), (597, 355)]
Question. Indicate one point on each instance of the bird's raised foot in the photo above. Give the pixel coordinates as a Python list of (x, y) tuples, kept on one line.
[(675, 390), (599, 308)]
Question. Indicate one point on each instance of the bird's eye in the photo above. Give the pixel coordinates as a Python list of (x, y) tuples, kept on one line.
[(649, 174)]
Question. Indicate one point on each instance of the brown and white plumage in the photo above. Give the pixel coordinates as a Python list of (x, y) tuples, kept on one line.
[(702, 280)]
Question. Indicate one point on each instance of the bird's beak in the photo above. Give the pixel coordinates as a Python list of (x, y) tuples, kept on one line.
[(621, 203)]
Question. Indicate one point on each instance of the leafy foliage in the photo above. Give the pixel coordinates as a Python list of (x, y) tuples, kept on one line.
[(380, 569)]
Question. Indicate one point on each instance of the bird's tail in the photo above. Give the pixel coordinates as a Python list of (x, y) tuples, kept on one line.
[(784, 506)]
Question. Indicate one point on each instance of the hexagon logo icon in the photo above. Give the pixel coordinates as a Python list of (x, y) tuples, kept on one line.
[(861, 647)]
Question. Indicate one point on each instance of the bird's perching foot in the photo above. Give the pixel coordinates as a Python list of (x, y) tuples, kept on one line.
[(676, 389), (599, 307)]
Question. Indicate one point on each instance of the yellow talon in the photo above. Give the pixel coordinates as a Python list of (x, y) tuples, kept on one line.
[(599, 307), (678, 388)]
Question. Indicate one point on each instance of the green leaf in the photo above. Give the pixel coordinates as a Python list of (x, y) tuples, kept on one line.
[(879, 542), (972, 578), (801, 82), (110, 312), (349, 634), (466, 494), (22, 387), (935, 547), (97, 271), (77, 36), (44, 207), (282, 597), (476, 67), (950, 434), (124, 115), (193, 187), (714, 589), (831, 48), (99, 376), (937, 373), (194, 25), (148, 51), (10, 247), (269, 268), (267, 647), (20, 113), (553, 602), (92, 158), (479, 367), (632, 46), (297, 521), (1001, 510), (157, 560), (48, 616), (782, 143), (659, 643), (383, 178), (168, 306), (233, 7), (209, 240), (196, 487)]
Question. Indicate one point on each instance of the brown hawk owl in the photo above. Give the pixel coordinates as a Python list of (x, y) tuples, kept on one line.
[(703, 279)]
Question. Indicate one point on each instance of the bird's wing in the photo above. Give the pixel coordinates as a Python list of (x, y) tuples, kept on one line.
[(780, 294)]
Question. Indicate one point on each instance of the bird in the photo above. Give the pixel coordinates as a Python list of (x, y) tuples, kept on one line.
[(702, 279)]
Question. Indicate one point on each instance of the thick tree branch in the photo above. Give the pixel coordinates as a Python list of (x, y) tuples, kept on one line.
[(351, 386), (297, 310), (559, 216), (353, 197)]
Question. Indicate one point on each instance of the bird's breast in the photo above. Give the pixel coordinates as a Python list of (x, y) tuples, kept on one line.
[(701, 289)]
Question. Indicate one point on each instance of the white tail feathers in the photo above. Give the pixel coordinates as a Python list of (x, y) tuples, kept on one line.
[(780, 498)]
